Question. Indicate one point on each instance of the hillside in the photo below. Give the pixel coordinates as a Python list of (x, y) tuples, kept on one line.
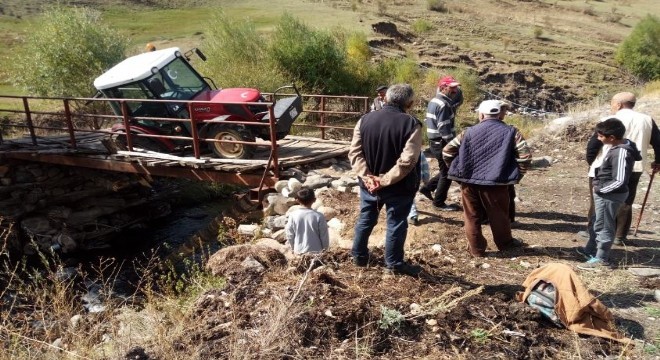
[(541, 55)]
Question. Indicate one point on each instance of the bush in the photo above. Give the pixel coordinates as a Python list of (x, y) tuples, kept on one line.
[(640, 51), (313, 56), (65, 51), (421, 26), (237, 56), (538, 32), (437, 5)]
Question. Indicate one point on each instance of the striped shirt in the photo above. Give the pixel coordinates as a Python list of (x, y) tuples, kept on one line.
[(440, 118)]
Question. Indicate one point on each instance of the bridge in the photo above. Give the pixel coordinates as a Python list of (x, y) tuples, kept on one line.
[(75, 132)]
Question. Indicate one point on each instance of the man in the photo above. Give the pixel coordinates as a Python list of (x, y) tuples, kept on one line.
[(440, 128), (486, 159), (379, 101), (640, 129), (385, 153)]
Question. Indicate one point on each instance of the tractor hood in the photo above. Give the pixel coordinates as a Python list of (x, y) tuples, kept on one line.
[(235, 95)]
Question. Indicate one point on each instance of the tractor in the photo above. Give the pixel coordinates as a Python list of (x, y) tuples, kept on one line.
[(222, 114)]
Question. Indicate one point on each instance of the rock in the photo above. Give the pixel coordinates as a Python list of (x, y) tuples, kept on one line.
[(317, 181), (485, 266), (348, 181), (75, 321), (437, 248), (273, 244), (636, 206), (67, 244), (337, 168), (280, 235), (281, 185), (415, 308), (337, 183), (644, 271), (328, 212), (317, 204), (58, 343), (525, 264), (248, 229), (286, 192), (541, 162), (657, 295), (252, 264), (267, 233), (294, 185), (343, 189), (431, 322), (355, 189), (35, 225), (336, 224)]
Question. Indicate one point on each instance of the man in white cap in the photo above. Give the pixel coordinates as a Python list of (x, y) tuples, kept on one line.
[(486, 159)]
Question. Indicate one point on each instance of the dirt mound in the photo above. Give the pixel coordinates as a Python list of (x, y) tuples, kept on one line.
[(238, 258), (389, 29), (333, 309)]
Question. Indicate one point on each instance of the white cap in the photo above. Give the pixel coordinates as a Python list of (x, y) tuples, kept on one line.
[(490, 107)]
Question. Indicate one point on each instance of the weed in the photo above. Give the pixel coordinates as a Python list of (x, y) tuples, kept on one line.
[(537, 32), (652, 311), (589, 10), (390, 318), (651, 87), (480, 335), (437, 5), (421, 26)]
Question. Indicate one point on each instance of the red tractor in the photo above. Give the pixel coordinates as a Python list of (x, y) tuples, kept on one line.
[(167, 75)]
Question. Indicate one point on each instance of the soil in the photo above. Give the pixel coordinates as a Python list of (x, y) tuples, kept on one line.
[(460, 307)]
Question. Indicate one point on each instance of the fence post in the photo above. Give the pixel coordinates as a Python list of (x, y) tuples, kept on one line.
[(69, 124), (127, 125), (273, 142), (28, 118), (193, 131), (322, 117)]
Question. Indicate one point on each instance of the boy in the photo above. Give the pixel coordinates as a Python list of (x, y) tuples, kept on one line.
[(610, 189), (306, 229)]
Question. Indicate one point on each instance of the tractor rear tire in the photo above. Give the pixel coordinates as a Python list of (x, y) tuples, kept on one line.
[(228, 150)]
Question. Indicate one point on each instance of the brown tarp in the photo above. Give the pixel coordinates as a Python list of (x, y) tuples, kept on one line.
[(577, 309)]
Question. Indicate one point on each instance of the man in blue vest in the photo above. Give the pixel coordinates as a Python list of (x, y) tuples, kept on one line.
[(384, 153), (486, 159)]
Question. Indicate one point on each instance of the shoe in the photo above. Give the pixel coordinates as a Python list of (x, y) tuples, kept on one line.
[(450, 207), (620, 242), (582, 251), (413, 221), (361, 261), (404, 269), (583, 234), (515, 243), (594, 264), (427, 193)]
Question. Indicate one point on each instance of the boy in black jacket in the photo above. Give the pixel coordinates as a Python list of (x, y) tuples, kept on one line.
[(610, 189)]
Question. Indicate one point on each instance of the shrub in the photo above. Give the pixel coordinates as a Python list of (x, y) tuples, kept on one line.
[(65, 52), (312, 56), (437, 5), (640, 51), (538, 32), (237, 55), (421, 26)]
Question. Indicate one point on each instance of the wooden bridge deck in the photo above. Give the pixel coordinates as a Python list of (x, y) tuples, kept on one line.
[(90, 152)]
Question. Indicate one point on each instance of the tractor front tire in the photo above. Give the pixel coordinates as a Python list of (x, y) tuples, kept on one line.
[(229, 150)]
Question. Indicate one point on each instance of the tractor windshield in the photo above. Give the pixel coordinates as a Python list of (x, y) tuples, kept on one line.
[(174, 81)]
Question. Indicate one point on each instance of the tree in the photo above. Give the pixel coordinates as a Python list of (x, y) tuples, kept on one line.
[(640, 51), (66, 51)]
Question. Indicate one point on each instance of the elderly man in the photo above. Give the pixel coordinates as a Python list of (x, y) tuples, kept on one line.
[(486, 159), (379, 101), (384, 153), (440, 128), (643, 131)]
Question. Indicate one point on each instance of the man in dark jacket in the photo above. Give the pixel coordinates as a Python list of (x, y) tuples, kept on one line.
[(440, 128), (384, 153), (486, 159)]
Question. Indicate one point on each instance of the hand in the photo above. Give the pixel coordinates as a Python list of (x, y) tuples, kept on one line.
[(372, 183), (655, 167)]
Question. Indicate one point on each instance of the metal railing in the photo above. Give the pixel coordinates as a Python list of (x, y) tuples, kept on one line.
[(321, 106)]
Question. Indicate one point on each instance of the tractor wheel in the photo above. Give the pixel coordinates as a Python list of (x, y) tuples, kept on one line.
[(140, 142), (228, 150)]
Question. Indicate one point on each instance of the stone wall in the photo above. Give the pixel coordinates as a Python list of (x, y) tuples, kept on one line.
[(66, 209)]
